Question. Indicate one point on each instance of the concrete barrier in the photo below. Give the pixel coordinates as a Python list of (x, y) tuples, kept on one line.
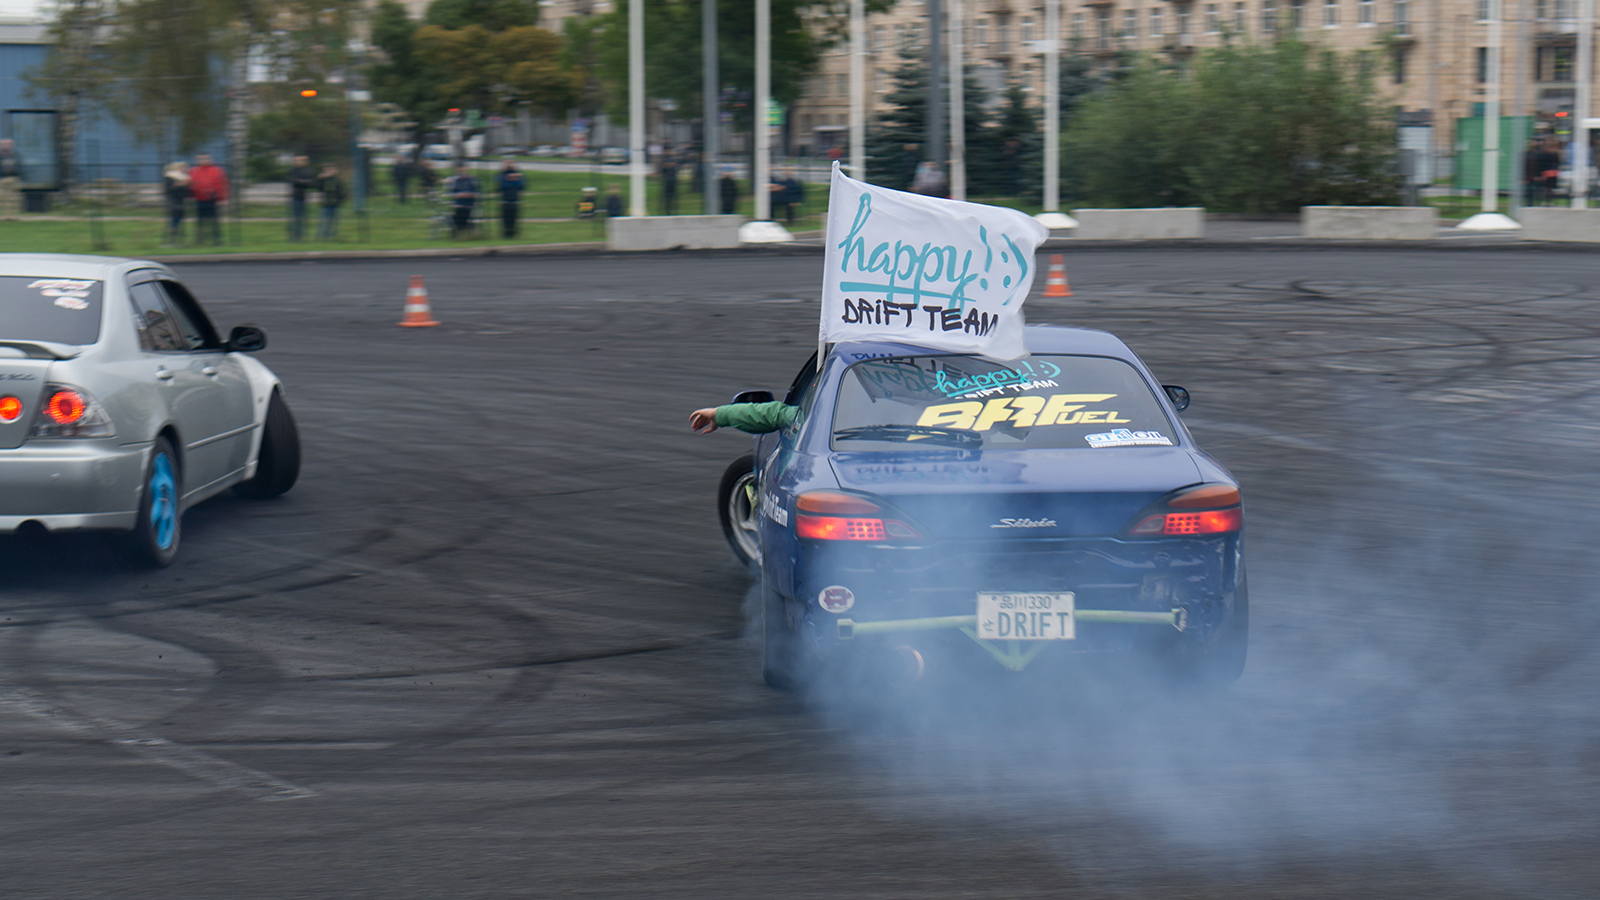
[(670, 232), (1370, 223), (1560, 223), (1162, 223)]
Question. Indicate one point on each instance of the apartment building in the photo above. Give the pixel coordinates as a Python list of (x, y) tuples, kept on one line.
[(1434, 53)]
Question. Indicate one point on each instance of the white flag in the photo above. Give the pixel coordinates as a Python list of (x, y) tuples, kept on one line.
[(935, 273)]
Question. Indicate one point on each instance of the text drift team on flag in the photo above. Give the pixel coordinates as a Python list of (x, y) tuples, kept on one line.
[(943, 274)]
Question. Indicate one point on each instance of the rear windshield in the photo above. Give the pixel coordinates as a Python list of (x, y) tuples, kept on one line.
[(970, 403), (57, 310)]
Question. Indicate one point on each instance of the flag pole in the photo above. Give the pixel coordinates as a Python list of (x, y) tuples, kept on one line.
[(858, 90)]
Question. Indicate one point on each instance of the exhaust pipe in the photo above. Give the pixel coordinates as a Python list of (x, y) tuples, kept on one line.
[(911, 668)]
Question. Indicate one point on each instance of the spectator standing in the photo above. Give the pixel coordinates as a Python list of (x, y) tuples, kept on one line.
[(728, 192), (301, 180), (511, 184), (929, 180), (910, 159), (668, 171), (426, 177), (10, 178), (210, 185), (463, 190), (175, 187), (614, 201), (793, 194), (401, 173), (332, 188)]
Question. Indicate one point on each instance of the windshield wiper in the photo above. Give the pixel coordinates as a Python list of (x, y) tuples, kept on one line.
[(951, 436)]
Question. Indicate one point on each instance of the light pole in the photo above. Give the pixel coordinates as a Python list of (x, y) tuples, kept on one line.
[(760, 189), (1580, 105), (858, 90), (711, 110), (958, 112), (636, 161)]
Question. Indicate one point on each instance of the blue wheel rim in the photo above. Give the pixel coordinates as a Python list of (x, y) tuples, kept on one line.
[(163, 502)]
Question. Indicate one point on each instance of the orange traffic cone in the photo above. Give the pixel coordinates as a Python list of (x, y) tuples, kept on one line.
[(418, 313), (1055, 284)]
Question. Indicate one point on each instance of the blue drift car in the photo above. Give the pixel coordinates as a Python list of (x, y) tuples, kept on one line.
[(925, 508)]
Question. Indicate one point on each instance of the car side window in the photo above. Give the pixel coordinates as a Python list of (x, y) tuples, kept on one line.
[(157, 331), (191, 321)]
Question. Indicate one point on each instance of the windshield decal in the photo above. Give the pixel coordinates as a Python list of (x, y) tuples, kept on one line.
[(1020, 412), (1122, 437)]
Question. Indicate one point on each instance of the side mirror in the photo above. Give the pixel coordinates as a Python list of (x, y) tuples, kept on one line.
[(1179, 396), (246, 339), (752, 397)]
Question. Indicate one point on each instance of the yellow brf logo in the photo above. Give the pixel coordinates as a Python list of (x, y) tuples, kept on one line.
[(1022, 412)]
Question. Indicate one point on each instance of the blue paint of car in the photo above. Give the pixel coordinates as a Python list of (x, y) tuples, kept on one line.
[(1012, 508)]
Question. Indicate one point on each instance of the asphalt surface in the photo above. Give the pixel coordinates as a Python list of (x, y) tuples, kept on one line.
[(492, 644)]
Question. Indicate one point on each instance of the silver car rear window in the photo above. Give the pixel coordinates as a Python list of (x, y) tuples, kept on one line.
[(57, 310)]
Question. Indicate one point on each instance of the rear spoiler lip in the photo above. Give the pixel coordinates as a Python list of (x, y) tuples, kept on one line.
[(44, 349)]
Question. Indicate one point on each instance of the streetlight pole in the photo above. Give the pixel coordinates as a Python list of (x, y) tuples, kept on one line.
[(1052, 106), (1491, 113), (760, 179), (711, 110), (858, 90), (935, 142), (636, 160), (1580, 106), (958, 112)]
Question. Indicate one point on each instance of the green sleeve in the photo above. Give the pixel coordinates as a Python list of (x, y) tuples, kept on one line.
[(757, 418)]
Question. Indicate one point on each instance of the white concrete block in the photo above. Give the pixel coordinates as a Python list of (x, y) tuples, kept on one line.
[(1370, 223), (673, 232), (1162, 223), (1560, 223)]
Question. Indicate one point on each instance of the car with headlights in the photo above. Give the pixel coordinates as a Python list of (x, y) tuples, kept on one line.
[(121, 406), (927, 507)]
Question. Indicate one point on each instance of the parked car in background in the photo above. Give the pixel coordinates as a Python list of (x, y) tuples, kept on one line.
[(614, 155)]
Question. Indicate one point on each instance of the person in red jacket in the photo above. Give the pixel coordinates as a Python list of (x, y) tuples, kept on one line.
[(209, 185)]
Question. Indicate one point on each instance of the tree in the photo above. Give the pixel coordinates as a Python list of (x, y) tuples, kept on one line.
[(494, 15), (492, 70), (672, 29), (400, 76), (1013, 164), (904, 123), (1247, 128), (74, 71)]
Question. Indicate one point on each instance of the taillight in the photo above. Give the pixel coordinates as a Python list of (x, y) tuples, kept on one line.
[(10, 409), (65, 407), (1217, 521), (70, 412), (1201, 520), (833, 516)]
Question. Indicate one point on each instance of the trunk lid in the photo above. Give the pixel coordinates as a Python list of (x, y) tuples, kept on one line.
[(1020, 494)]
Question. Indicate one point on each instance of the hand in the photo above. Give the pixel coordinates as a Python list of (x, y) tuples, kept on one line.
[(703, 421)]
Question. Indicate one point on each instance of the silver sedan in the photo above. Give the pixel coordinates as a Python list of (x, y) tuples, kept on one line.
[(121, 406)]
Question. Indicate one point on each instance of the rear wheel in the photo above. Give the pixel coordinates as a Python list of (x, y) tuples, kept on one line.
[(1220, 661), (739, 509), (278, 465), (154, 539)]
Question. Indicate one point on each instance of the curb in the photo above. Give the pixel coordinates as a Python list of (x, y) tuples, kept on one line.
[(810, 244)]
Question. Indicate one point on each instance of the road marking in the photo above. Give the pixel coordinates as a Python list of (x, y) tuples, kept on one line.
[(194, 763)]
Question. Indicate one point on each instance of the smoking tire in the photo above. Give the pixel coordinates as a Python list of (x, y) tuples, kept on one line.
[(278, 466), (780, 645), (157, 531), (738, 509)]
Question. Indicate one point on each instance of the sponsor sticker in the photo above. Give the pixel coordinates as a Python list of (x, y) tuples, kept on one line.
[(836, 598), (1122, 437), (71, 301), (772, 508)]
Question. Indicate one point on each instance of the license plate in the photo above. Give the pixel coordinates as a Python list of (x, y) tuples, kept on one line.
[(1026, 617)]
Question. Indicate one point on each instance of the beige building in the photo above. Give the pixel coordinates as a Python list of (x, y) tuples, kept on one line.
[(1434, 52)]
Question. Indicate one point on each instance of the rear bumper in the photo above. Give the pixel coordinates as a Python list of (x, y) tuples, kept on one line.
[(70, 485), (1122, 588)]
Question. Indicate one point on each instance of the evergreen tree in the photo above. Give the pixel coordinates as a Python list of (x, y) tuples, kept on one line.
[(889, 162)]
